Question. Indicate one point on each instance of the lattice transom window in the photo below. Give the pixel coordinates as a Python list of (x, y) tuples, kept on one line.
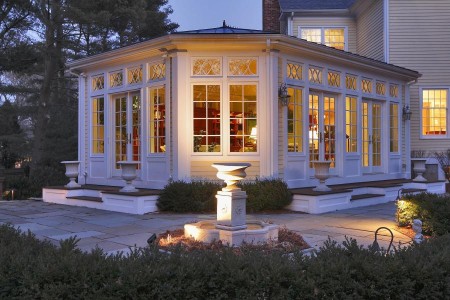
[(157, 71), (116, 78), (315, 75), (350, 82), (334, 79), (243, 66), (381, 88), (393, 90), (98, 82), (294, 71), (134, 75), (206, 66), (366, 85)]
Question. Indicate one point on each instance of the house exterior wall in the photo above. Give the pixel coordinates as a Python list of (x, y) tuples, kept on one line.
[(370, 31), (346, 22), (419, 39)]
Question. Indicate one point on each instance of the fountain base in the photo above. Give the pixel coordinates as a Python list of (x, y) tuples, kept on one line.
[(255, 232)]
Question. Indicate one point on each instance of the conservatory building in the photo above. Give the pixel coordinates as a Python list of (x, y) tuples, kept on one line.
[(179, 103)]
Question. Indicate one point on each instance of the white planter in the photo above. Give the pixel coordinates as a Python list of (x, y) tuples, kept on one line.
[(128, 174), (231, 173), (419, 169), (322, 172), (72, 173)]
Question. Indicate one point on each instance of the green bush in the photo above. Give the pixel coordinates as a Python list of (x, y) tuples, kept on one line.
[(432, 209), (33, 269), (200, 196), (266, 194)]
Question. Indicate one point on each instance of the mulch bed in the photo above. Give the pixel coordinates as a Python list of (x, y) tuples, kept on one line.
[(288, 242)]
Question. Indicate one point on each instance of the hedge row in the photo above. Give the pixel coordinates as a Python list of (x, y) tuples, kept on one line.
[(432, 209), (200, 196), (32, 269)]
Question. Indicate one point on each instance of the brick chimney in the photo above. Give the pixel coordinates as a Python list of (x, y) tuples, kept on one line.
[(271, 15)]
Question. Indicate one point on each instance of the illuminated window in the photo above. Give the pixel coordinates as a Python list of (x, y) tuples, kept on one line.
[(294, 71), (332, 37), (157, 117), (334, 79), (434, 112), (315, 75), (207, 118), (393, 127), (134, 75), (157, 72), (242, 66), (98, 126), (206, 66), (351, 124), (350, 82), (381, 88), (366, 85), (98, 82), (295, 120), (393, 90), (243, 113), (115, 79)]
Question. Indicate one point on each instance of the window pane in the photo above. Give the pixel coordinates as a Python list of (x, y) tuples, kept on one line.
[(351, 124), (334, 37), (98, 126), (434, 112), (157, 117), (312, 35), (393, 124), (295, 121)]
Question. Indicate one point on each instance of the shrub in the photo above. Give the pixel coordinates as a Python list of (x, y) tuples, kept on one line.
[(33, 269), (200, 196), (432, 209), (266, 194), (195, 196)]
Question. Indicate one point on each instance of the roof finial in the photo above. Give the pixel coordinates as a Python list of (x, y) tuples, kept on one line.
[(224, 24)]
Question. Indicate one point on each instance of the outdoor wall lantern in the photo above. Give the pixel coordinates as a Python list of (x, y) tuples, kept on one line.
[(283, 95), (406, 113)]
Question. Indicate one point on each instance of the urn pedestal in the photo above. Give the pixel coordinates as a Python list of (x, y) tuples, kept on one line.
[(72, 172), (322, 172), (128, 174), (419, 168)]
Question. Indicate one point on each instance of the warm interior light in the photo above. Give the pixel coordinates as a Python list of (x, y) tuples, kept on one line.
[(253, 134)]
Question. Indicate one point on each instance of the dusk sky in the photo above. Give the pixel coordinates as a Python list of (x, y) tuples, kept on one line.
[(200, 14)]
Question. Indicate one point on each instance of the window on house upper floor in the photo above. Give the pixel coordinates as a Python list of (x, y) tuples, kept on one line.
[(331, 36), (434, 116)]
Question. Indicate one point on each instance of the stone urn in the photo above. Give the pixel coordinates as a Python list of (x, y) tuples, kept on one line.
[(322, 172), (72, 173), (419, 169), (128, 174), (231, 173)]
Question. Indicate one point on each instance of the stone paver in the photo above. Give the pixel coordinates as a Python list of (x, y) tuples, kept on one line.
[(117, 232)]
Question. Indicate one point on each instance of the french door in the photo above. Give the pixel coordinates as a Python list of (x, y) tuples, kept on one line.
[(322, 125), (127, 129), (371, 136)]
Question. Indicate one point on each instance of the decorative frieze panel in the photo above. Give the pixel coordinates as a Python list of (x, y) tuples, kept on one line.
[(242, 67), (350, 82), (206, 67), (381, 88), (334, 79), (157, 71), (315, 75), (393, 90), (98, 82), (115, 78), (366, 86), (294, 71), (135, 75)]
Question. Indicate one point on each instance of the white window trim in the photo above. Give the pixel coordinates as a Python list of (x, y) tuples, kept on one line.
[(322, 33), (431, 137)]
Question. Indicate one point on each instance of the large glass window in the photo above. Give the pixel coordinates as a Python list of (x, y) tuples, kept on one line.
[(295, 120), (393, 125), (351, 124), (98, 126), (434, 112), (207, 124), (157, 117), (332, 37)]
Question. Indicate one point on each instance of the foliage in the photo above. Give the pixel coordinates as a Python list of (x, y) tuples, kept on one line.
[(31, 269), (419, 153), (444, 162), (432, 209), (200, 196), (266, 194), (195, 196)]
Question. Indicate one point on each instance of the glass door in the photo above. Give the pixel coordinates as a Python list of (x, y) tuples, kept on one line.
[(127, 129), (322, 125), (371, 137)]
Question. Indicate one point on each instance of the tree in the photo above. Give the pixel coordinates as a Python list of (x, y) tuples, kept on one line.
[(12, 141)]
